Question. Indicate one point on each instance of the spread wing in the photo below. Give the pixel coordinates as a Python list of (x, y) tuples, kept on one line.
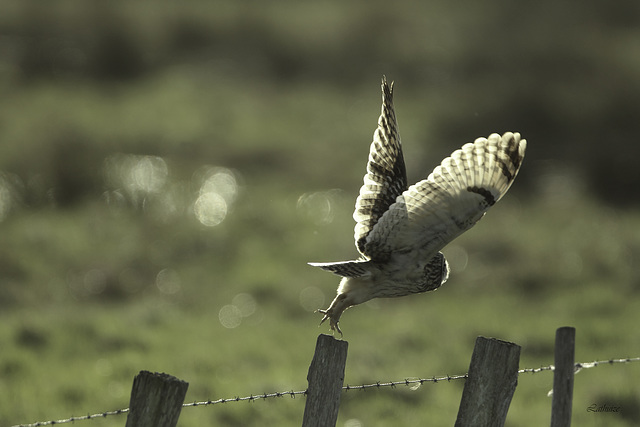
[(451, 200), (386, 176)]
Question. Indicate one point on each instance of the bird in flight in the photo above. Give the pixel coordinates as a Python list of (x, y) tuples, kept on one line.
[(400, 230)]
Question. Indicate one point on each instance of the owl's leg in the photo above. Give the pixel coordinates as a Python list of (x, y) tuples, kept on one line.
[(332, 322), (334, 312)]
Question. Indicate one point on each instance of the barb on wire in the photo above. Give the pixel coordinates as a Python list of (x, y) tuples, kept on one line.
[(583, 365), (250, 398), (407, 382), (587, 365)]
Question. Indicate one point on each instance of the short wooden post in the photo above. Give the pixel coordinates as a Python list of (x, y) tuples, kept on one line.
[(493, 376), (325, 377), (564, 368), (156, 400)]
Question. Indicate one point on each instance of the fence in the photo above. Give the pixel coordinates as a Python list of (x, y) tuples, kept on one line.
[(157, 399)]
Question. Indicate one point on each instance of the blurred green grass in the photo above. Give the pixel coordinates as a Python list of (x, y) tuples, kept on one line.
[(114, 119)]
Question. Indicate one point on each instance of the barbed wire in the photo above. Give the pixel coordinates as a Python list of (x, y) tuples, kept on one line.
[(406, 382), (73, 419)]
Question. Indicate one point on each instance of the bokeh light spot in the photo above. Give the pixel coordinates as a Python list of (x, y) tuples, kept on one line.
[(221, 181), (168, 281), (210, 209), (137, 175), (218, 189), (319, 207), (230, 316), (148, 173), (245, 303), (115, 200), (311, 298)]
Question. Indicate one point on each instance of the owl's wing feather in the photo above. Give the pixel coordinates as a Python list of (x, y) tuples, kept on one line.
[(386, 177), (434, 211)]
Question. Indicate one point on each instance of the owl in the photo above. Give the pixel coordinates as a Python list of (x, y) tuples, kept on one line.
[(400, 230)]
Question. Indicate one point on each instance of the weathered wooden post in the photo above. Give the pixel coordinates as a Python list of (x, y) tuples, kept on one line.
[(493, 376), (564, 368), (325, 377), (156, 400)]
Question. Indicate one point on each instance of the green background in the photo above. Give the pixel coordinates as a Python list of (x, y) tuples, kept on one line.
[(168, 168)]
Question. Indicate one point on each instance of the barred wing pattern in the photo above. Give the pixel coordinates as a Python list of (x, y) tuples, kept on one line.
[(386, 176), (451, 200)]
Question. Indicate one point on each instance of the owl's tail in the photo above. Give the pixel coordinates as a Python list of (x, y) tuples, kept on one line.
[(357, 268)]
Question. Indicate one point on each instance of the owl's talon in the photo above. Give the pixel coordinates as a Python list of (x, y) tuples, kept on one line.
[(332, 322)]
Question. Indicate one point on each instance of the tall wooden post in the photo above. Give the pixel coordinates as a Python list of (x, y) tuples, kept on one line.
[(493, 376), (325, 377), (564, 368)]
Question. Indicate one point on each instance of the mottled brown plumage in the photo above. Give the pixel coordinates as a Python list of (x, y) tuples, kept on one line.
[(400, 230)]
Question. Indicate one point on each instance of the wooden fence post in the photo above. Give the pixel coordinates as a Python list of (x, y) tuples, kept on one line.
[(325, 377), (564, 368), (156, 400), (493, 376)]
